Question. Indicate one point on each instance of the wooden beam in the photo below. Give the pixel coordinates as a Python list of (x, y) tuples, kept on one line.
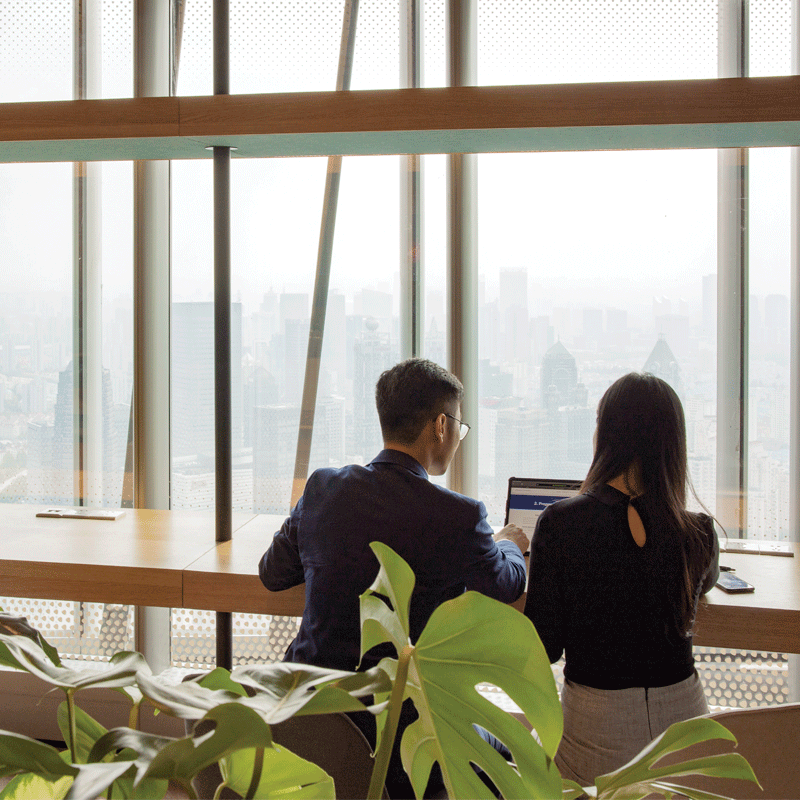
[(600, 116)]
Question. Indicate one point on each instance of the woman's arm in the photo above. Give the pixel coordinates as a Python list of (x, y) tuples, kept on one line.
[(712, 571)]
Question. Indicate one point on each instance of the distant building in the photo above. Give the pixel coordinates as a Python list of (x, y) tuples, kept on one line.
[(51, 466), (559, 379), (513, 311), (493, 381), (274, 450), (327, 442), (193, 379), (294, 360), (521, 444), (662, 363), (570, 421), (371, 356)]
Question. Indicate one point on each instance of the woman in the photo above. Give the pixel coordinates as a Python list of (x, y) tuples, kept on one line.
[(615, 577)]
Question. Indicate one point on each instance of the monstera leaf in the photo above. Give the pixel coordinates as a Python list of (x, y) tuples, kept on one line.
[(467, 641), (281, 774), (31, 787), (285, 690), (278, 691), (19, 626), (187, 700), (23, 653), (642, 776), (240, 742), (20, 753)]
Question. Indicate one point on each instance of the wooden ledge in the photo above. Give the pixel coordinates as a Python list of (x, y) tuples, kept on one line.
[(733, 112)]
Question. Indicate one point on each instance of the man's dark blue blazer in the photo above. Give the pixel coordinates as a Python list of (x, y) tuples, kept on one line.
[(443, 536)]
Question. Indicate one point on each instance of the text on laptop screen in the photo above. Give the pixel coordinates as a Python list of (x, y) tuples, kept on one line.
[(528, 497)]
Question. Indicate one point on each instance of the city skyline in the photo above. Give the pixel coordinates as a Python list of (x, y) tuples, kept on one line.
[(523, 428)]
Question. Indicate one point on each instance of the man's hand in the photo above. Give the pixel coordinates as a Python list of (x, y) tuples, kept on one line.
[(513, 533)]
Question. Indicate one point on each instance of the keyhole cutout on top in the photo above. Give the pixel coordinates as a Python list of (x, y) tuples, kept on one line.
[(637, 526)]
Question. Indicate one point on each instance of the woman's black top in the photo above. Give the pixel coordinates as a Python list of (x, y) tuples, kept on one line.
[(609, 605)]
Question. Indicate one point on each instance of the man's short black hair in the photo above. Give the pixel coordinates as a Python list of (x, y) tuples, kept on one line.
[(410, 394)]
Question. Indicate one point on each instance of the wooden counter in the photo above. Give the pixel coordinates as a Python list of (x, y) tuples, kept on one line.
[(135, 560), (163, 558), (226, 578), (768, 619)]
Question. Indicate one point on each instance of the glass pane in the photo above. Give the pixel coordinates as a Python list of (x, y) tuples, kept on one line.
[(117, 326), (276, 212), (591, 265), (769, 381), (36, 346), (36, 50), (277, 209)]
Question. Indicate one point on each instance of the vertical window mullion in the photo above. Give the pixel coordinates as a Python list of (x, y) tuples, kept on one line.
[(412, 317), (732, 291), (794, 354), (87, 368), (462, 262), (152, 302)]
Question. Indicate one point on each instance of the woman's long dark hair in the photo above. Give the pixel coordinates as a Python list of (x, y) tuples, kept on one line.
[(641, 432)]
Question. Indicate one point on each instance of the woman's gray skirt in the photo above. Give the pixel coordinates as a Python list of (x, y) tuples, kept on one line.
[(606, 728)]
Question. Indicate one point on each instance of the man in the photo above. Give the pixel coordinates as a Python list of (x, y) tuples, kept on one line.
[(443, 536)]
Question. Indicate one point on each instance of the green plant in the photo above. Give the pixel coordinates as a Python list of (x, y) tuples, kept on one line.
[(459, 648), (129, 763)]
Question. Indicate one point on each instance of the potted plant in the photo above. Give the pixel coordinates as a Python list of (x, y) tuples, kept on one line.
[(458, 649)]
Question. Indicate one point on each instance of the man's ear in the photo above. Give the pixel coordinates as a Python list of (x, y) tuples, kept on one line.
[(438, 427)]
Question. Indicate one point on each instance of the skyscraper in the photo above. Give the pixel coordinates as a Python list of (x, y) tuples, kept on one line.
[(570, 420), (274, 450), (559, 376), (54, 452), (372, 355), (662, 363), (193, 378)]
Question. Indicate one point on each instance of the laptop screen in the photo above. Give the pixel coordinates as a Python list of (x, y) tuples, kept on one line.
[(528, 497)]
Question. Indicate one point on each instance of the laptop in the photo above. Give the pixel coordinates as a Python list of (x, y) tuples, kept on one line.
[(528, 497)]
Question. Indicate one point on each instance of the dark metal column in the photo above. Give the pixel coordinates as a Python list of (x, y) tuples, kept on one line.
[(412, 305), (733, 292), (222, 325), (322, 279), (462, 260)]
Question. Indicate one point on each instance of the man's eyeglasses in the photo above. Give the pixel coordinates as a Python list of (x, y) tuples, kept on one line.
[(463, 429)]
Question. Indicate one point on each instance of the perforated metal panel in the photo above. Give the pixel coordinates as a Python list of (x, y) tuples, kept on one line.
[(740, 679), (770, 37), (79, 631), (117, 48), (564, 41), (286, 46), (732, 679), (35, 50), (257, 638)]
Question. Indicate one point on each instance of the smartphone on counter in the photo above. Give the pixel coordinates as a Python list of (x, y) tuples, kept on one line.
[(733, 584)]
